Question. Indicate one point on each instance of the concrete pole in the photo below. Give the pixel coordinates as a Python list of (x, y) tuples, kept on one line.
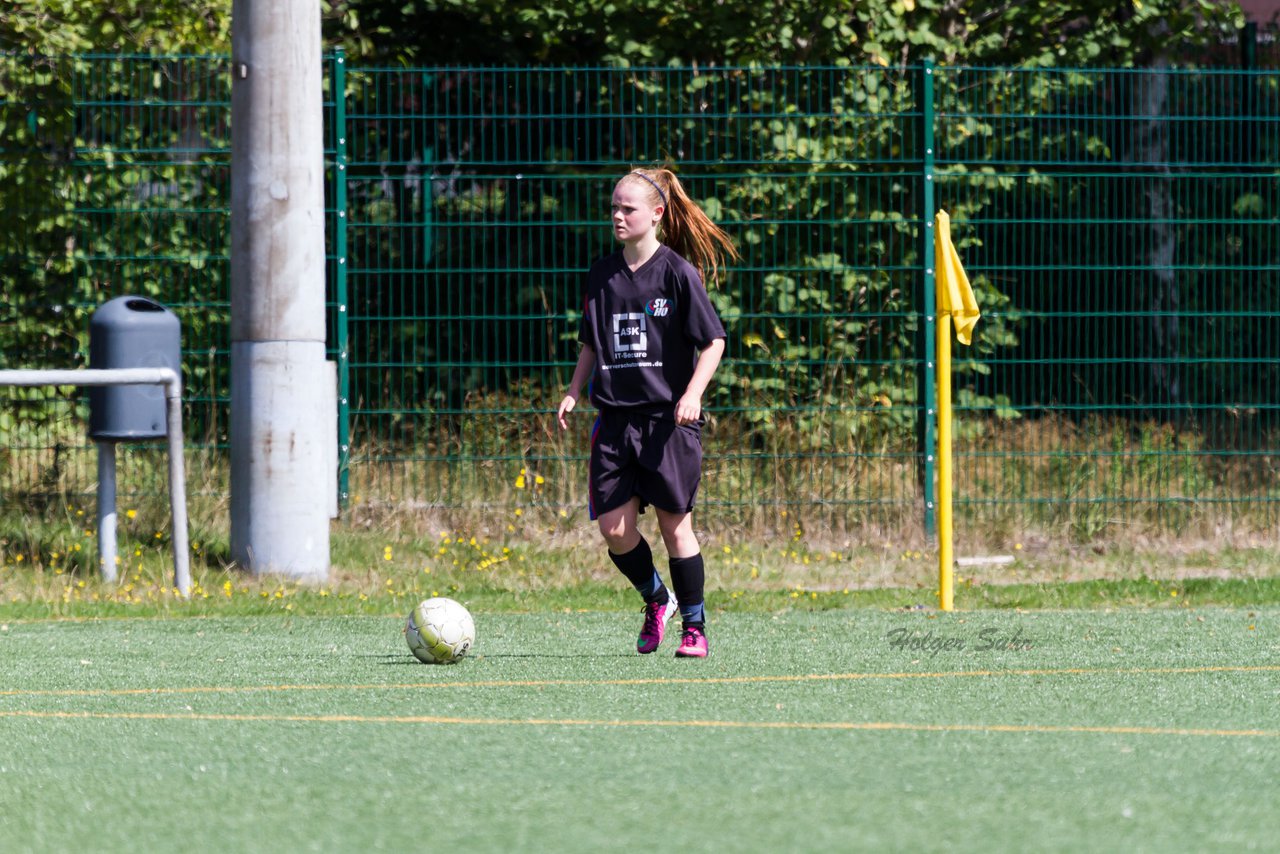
[(283, 420)]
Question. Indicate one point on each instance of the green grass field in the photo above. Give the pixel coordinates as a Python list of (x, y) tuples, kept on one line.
[(807, 730)]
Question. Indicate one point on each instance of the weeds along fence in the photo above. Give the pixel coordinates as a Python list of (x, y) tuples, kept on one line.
[(1120, 228)]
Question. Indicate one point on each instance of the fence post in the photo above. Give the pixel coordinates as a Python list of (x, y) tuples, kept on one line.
[(1248, 95), (428, 186), (926, 373), (340, 286)]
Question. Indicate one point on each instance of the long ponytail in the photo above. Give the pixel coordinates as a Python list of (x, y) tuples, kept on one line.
[(684, 227)]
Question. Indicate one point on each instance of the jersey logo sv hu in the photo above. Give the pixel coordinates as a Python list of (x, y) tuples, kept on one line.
[(659, 307)]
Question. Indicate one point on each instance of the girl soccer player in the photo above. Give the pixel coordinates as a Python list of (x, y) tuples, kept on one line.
[(651, 341)]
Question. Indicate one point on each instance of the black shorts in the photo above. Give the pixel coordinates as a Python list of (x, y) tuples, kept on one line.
[(645, 455)]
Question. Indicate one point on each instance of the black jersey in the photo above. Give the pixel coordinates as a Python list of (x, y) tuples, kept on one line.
[(646, 328)]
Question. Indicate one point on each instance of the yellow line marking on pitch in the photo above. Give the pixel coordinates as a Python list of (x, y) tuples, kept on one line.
[(692, 680), (850, 726)]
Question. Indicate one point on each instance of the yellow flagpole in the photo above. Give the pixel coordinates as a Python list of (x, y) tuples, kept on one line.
[(946, 587)]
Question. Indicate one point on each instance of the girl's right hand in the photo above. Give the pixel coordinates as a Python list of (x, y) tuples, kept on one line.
[(566, 406)]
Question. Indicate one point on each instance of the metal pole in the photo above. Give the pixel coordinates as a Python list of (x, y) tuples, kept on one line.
[(107, 551), (172, 383), (926, 380), (178, 489), (341, 296), (283, 423)]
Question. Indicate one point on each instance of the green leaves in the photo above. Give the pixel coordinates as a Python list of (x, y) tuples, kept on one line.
[(629, 33), (125, 26)]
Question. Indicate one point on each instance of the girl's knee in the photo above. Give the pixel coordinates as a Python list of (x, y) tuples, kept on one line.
[(677, 534), (619, 531), (615, 536)]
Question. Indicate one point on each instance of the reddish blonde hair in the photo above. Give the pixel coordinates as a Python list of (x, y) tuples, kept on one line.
[(684, 226)]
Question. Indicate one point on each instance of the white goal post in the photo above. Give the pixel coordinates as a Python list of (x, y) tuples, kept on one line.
[(172, 383)]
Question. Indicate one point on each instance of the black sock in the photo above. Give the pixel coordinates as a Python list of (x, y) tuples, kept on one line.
[(688, 576), (637, 566)]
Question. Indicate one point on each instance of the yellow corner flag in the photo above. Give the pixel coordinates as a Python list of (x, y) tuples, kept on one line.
[(955, 304), (955, 296)]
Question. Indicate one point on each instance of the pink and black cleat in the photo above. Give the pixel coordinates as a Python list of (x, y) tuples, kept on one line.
[(693, 643), (656, 615)]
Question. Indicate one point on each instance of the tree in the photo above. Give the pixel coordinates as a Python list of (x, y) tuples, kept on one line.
[(52, 27), (738, 32)]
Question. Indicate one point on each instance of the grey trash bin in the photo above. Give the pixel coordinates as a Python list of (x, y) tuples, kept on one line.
[(131, 332)]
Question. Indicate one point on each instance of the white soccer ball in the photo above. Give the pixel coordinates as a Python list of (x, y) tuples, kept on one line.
[(439, 631)]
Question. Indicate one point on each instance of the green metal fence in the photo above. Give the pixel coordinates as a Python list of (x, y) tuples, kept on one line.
[(1119, 225)]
